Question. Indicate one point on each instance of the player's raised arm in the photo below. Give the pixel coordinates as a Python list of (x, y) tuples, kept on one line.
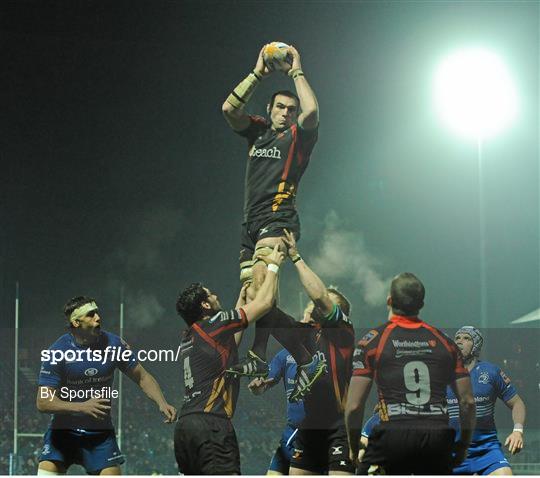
[(467, 415), (514, 441), (312, 283), (151, 388), (233, 108), (242, 299), (309, 116), (266, 295)]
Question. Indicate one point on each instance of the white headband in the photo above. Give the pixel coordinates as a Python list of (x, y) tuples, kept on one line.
[(83, 310)]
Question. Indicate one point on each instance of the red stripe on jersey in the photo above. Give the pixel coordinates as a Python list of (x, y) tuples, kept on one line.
[(242, 324), (224, 353), (368, 369), (460, 368), (290, 154), (382, 343), (439, 336), (334, 374), (406, 321), (243, 315)]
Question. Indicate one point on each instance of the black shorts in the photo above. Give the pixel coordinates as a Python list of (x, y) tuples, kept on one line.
[(268, 226), (405, 451), (320, 451), (206, 444)]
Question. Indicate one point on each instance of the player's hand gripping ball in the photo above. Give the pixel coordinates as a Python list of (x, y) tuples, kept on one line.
[(276, 56)]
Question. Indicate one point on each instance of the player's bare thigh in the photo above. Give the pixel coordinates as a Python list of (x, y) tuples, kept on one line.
[(52, 467), (506, 470), (259, 268), (111, 470)]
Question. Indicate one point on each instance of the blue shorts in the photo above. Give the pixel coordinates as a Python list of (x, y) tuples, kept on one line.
[(282, 456), (94, 451), (483, 462)]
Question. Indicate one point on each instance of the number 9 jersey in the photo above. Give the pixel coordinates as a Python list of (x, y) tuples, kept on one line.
[(412, 364)]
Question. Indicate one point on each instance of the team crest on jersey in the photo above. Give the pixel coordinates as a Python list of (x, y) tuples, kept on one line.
[(46, 449), (432, 343), (297, 453), (483, 378), (366, 339), (505, 378)]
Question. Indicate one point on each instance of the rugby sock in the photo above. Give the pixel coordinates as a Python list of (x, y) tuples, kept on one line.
[(263, 328)]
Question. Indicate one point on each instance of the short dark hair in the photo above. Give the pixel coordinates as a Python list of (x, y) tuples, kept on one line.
[(188, 304), (287, 93), (343, 302), (75, 303), (407, 293)]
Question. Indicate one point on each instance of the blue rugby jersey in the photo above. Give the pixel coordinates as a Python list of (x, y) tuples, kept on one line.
[(489, 382), (283, 366), (84, 373)]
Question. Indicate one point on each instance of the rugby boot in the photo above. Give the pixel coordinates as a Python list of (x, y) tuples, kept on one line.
[(251, 366), (306, 376)]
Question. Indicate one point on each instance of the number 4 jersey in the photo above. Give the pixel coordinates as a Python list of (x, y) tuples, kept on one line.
[(412, 364), (207, 349)]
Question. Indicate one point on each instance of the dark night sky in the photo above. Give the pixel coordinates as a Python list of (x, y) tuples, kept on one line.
[(118, 169)]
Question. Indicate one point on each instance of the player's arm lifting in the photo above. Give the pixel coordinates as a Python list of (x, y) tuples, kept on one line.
[(151, 388), (514, 441), (467, 415), (309, 107), (359, 388), (48, 401), (314, 286), (241, 302), (266, 295), (233, 108)]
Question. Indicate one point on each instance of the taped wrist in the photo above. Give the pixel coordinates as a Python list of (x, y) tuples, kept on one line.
[(243, 92), (295, 73)]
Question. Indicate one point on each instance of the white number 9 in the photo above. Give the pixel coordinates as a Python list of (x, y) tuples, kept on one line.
[(416, 375)]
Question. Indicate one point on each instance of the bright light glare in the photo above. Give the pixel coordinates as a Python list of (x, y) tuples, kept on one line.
[(474, 93)]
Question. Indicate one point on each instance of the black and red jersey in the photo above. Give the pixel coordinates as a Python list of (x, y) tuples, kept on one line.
[(276, 162), (333, 340), (412, 363), (207, 350)]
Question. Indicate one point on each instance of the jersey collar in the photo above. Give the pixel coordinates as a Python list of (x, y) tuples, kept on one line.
[(406, 322)]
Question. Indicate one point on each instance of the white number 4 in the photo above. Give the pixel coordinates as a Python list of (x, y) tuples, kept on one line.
[(188, 378)]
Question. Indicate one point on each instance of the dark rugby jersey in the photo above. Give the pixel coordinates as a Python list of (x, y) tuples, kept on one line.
[(276, 162), (412, 364), (207, 349), (332, 339)]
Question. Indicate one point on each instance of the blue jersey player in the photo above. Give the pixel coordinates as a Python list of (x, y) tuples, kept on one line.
[(282, 367), (76, 386), (485, 455)]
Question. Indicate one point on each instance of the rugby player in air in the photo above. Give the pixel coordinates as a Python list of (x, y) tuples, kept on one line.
[(320, 445), (485, 455), (75, 386), (279, 150), (204, 439), (412, 363)]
